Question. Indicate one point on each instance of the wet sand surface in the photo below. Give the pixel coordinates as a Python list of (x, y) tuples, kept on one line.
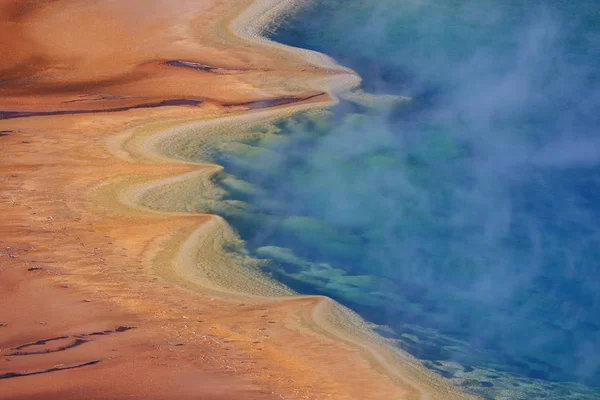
[(91, 303)]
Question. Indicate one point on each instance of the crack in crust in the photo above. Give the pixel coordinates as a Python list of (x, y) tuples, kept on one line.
[(10, 375), (78, 340)]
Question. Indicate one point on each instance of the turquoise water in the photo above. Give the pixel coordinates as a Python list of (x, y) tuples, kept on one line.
[(466, 222)]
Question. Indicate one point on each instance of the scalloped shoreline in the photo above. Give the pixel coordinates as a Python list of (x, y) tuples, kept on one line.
[(205, 249), (98, 229)]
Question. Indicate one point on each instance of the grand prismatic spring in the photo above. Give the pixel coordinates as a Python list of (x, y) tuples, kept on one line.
[(300, 199)]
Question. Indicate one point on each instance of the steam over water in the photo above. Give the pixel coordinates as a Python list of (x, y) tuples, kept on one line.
[(466, 221)]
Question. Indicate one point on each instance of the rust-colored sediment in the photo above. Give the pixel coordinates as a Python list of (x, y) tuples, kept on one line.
[(83, 311)]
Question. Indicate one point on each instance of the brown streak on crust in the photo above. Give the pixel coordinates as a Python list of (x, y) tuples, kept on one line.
[(267, 103), (164, 103), (74, 343), (10, 375)]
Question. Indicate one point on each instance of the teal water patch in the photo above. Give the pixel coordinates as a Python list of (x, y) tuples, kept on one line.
[(410, 252), (464, 222)]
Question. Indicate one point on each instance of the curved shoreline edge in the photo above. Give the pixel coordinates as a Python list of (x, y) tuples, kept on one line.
[(323, 316), (102, 225)]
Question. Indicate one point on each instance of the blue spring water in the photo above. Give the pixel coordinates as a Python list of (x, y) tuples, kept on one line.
[(465, 222)]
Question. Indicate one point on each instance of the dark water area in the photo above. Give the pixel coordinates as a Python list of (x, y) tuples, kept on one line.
[(465, 222)]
